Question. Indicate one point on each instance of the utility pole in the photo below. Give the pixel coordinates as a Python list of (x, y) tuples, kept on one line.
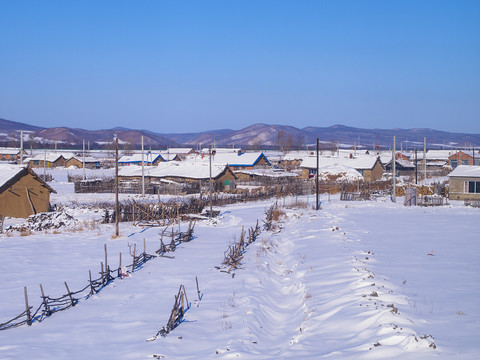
[(83, 159), (143, 173), (117, 233), (394, 189), (21, 147), (210, 182), (424, 158), (317, 190), (45, 163), (416, 167)]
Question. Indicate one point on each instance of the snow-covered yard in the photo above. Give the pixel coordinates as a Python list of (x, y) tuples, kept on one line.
[(355, 280)]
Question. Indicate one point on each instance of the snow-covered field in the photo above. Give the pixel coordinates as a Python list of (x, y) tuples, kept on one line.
[(354, 280)]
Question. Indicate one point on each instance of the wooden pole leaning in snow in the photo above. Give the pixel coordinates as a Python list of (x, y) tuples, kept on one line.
[(394, 190)]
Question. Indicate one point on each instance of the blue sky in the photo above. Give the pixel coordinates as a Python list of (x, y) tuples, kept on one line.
[(188, 66)]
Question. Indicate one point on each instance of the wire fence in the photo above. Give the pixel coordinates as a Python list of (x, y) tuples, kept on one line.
[(51, 305)]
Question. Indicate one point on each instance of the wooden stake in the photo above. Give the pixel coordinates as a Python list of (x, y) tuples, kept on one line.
[(106, 264), (134, 251), (29, 319), (92, 289), (198, 290), (70, 294), (101, 273), (44, 300)]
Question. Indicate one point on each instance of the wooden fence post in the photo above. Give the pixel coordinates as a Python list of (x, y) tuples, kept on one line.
[(198, 290), (92, 289), (45, 302), (120, 265), (70, 294), (106, 265), (134, 251), (29, 319)]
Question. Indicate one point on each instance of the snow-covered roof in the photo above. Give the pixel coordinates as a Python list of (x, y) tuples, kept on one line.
[(361, 162), (243, 159), (435, 154), (88, 159), (344, 173), (51, 157), (9, 151), (8, 172), (268, 173), (466, 171), (403, 163), (179, 151), (137, 158), (175, 169)]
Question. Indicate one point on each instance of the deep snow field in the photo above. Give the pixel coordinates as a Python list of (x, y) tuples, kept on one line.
[(354, 280)]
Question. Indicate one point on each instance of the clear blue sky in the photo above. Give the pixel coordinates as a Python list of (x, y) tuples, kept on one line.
[(184, 66)]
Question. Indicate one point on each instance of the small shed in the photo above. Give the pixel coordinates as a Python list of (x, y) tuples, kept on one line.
[(464, 183), (22, 192)]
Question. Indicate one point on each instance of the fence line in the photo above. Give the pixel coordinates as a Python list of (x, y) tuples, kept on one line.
[(51, 305)]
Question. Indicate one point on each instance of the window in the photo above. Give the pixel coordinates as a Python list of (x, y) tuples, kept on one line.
[(465, 162), (36, 162), (453, 163), (472, 187)]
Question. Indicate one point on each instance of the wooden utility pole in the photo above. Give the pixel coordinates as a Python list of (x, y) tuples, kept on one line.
[(416, 167), (424, 159), (317, 190), (83, 160), (394, 160), (143, 173), (210, 182), (117, 233), (21, 147)]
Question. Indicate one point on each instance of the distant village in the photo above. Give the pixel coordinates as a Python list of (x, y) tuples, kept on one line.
[(25, 186)]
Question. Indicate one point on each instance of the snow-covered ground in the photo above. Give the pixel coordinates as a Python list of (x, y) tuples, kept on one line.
[(354, 280)]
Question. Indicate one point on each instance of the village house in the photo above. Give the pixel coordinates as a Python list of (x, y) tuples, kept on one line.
[(149, 159), (22, 192), (370, 167), (464, 158), (176, 154), (402, 167), (464, 183), (50, 160), (11, 154), (181, 172), (77, 161)]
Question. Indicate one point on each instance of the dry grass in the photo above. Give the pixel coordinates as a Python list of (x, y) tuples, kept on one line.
[(277, 214)]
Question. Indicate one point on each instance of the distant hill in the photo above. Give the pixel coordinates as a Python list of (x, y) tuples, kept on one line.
[(8, 126), (257, 136)]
